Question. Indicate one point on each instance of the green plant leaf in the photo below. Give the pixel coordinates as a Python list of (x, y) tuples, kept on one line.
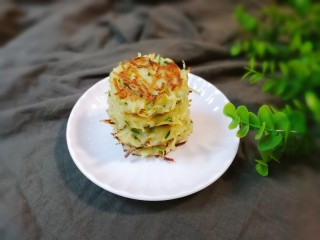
[(269, 142), (298, 121), (306, 47), (262, 169), (260, 131), (262, 162), (273, 109), (272, 67), (235, 49), (265, 115), (296, 41), (261, 48), (254, 120), (281, 121), (252, 63), (243, 131), (234, 123), (265, 66), (246, 75), (243, 113), (299, 68), (229, 110), (284, 69), (246, 20), (255, 77), (313, 103), (297, 103)]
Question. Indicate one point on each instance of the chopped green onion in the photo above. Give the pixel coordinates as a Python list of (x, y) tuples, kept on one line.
[(169, 119), (135, 132), (120, 83), (167, 135)]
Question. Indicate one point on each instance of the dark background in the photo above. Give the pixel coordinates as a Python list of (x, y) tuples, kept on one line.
[(51, 52)]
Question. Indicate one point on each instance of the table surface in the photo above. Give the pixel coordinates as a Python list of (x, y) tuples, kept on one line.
[(51, 52)]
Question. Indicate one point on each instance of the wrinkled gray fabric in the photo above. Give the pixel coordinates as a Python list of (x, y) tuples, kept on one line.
[(53, 51)]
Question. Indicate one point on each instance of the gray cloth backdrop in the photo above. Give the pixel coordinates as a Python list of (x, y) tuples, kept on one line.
[(52, 51)]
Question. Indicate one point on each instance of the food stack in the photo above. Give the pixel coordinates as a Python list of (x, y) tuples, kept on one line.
[(149, 105)]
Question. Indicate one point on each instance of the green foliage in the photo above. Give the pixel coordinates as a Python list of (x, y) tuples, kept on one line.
[(313, 103), (283, 48), (273, 130), (285, 41)]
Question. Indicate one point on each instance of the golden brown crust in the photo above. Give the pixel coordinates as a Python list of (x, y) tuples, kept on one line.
[(132, 85)]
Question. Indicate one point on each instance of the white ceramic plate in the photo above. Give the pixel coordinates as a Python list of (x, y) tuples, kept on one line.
[(207, 154)]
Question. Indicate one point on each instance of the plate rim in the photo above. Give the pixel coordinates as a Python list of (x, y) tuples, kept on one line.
[(143, 197)]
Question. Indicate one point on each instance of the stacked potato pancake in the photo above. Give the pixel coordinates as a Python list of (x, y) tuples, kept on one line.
[(149, 105)]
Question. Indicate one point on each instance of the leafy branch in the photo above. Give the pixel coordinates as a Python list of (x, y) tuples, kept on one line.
[(275, 130), (283, 48)]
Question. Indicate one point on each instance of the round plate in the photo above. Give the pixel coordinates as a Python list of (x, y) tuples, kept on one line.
[(208, 153)]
